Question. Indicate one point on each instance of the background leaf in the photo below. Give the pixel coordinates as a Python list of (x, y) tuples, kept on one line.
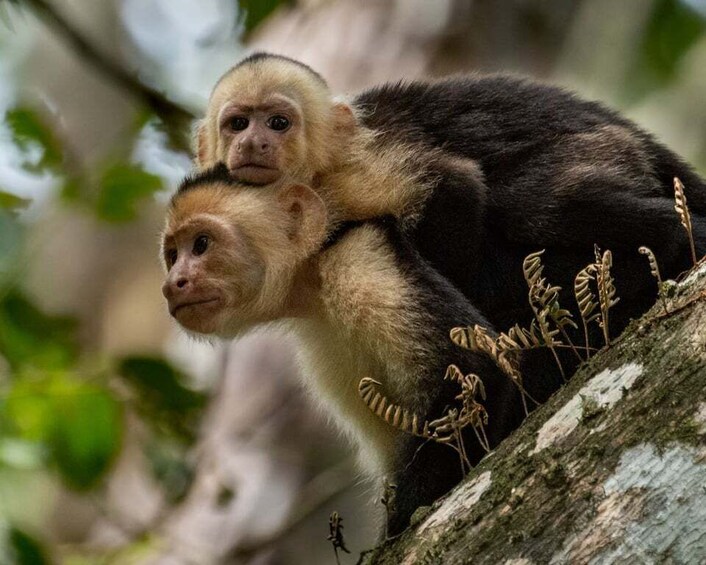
[(86, 434), (29, 337), (25, 549), (256, 11), (10, 201), (27, 129), (122, 190), (79, 423), (162, 398)]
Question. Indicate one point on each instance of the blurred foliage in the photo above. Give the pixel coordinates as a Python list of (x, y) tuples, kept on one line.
[(672, 30), (28, 337), (28, 129), (256, 11), (24, 549), (161, 397), (12, 202), (123, 188)]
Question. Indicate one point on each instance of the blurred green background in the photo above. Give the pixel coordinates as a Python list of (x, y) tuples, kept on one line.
[(109, 416)]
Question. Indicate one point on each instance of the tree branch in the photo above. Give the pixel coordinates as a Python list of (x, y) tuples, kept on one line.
[(175, 117)]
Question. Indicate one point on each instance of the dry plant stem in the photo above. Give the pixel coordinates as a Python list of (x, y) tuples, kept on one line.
[(654, 270), (606, 292), (684, 215), (570, 344)]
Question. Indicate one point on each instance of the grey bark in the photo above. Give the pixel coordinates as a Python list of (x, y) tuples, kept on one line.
[(611, 470)]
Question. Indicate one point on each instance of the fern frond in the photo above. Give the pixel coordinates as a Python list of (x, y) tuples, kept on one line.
[(396, 416), (682, 209), (606, 291)]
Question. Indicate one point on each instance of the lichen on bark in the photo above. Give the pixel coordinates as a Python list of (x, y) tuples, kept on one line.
[(611, 469)]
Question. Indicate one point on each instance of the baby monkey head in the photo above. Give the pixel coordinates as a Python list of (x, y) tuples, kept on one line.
[(269, 117), (233, 252)]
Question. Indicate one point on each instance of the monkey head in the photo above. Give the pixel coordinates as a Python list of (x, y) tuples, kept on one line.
[(234, 252), (270, 116)]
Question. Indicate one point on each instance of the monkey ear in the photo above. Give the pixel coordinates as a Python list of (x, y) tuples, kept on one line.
[(344, 118), (307, 214), (200, 144)]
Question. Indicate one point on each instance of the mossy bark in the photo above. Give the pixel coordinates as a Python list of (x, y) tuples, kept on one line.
[(611, 469)]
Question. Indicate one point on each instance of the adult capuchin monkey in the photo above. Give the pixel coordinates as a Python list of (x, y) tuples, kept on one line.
[(364, 304), (478, 170)]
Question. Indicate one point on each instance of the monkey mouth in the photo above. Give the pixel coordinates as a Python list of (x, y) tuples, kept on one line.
[(255, 173), (179, 307)]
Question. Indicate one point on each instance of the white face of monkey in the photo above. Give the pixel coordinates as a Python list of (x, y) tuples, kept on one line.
[(272, 118), (232, 253)]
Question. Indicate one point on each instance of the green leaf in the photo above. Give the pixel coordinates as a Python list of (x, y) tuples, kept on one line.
[(10, 201), (256, 11), (27, 129), (672, 30), (123, 188), (25, 549), (86, 434), (11, 248), (79, 423), (31, 338), (162, 398)]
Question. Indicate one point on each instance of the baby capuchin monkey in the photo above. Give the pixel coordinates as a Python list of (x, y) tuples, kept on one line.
[(361, 299), (478, 171)]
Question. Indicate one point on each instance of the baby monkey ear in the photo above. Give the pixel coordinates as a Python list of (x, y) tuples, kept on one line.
[(344, 118), (307, 214), (199, 144)]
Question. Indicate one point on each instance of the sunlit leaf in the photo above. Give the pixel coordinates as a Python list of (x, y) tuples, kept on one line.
[(29, 337), (255, 11), (123, 189), (25, 549), (27, 129), (79, 423), (162, 398)]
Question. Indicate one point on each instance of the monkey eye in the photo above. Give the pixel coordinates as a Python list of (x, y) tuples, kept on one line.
[(278, 123), (200, 245), (238, 123), (171, 255)]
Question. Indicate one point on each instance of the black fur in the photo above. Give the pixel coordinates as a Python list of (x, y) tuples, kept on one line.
[(426, 470), (558, 173), (216, 174), (261, 55)]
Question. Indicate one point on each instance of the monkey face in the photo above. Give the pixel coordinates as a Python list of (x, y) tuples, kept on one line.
[(232, 253), (272, 118), (259, 138), (210, 272)]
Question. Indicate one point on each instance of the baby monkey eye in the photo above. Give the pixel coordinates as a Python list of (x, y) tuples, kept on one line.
[(278, 123), (238, 123), (200, 245)]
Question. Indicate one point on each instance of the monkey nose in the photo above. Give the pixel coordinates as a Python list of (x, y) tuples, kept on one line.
[(173, 287)]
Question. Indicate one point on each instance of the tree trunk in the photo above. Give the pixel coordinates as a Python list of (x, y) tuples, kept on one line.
[(611, 470)]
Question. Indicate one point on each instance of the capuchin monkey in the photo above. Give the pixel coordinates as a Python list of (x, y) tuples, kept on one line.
[(364, 304), (478, 171)]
